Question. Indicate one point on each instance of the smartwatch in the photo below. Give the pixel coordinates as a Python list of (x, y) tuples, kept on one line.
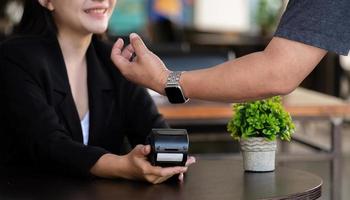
[(173, 89)]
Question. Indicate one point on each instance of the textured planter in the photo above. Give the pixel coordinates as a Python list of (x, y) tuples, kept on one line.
[(258, 154)]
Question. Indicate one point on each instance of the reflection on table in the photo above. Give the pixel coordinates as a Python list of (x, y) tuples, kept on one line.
[(207, 179)]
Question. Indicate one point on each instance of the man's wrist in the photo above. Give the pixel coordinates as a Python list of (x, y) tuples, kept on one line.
[(163, 81), (181, 83)]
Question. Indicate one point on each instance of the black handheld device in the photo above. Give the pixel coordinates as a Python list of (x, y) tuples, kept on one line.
[(169, 147)]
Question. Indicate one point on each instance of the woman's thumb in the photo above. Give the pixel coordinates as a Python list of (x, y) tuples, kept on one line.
[(142, 150)]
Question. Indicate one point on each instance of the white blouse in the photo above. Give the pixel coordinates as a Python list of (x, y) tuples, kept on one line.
[(85, 127)]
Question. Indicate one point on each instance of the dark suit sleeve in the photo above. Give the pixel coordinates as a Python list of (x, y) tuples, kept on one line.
[(37, 131), (142, 116)]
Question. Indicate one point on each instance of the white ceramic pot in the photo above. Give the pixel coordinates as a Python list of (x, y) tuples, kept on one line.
[(258, 154)]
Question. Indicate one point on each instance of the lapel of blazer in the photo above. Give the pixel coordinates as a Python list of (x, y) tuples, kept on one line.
[(62, 90), (100, 95)]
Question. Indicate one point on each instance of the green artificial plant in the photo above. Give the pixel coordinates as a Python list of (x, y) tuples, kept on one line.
[(263, 118)]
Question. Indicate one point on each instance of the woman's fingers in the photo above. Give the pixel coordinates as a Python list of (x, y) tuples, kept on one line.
[(164, 171), (155, 174), (158, 180), (190, 161), (167, 172)]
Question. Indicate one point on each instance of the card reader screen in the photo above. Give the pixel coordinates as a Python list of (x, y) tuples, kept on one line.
[(169, 157)]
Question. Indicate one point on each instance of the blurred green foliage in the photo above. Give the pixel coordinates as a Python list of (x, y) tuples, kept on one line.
[(267, 15)]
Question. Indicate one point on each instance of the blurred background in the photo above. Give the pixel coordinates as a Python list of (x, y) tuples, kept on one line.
[(194, 34), (180, 30)]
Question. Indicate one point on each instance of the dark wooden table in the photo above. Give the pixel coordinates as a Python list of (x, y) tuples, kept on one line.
[(208, 179)]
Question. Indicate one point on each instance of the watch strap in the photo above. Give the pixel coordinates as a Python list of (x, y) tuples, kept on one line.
[(174, 78), (173, 84)]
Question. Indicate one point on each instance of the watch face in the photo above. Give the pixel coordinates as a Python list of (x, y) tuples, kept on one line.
[(175, 94)]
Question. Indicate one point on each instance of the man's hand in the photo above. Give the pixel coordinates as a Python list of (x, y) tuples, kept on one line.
[(145, 69)]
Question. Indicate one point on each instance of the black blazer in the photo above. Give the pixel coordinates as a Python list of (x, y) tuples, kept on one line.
[(41, 125)]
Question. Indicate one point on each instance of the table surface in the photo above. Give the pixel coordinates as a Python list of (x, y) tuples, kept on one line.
[(300, 103), (207, 179)]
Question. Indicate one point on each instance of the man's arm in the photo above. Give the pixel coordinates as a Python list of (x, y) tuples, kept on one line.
[(277, 70)]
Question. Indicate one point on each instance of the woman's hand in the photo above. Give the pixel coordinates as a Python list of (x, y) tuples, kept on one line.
[(139, 168), (190, 160), (135, 166), (146, 69)]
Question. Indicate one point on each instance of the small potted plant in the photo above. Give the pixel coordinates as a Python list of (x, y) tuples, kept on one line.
[(257, 125)]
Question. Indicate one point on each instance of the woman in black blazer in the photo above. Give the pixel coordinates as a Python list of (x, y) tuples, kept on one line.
[(65, 105)]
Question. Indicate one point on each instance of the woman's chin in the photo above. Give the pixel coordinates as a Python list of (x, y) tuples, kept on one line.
[(97, 29), (99, 32)]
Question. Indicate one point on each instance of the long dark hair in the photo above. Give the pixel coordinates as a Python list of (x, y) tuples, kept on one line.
[(36, 20)]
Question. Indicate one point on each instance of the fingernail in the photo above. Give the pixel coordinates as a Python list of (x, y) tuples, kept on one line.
[(193, 159), (133, 35), (146, 149), (181, 177)]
